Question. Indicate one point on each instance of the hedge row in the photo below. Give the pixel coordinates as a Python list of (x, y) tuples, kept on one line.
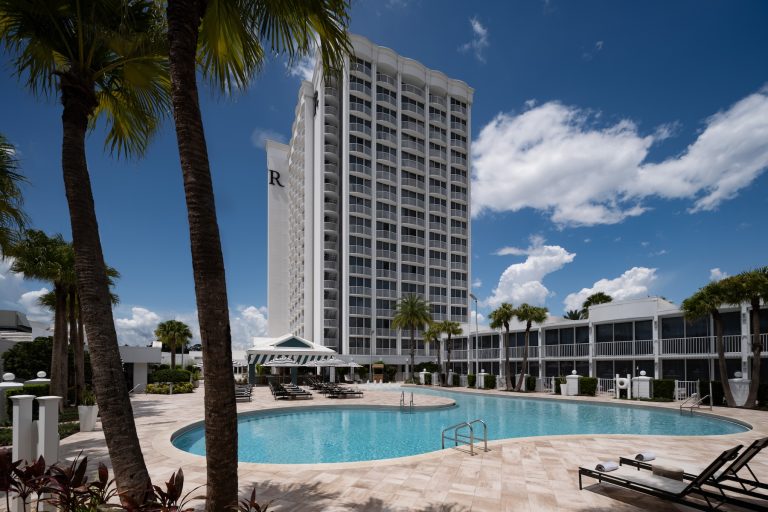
[(530, 383), (587, 386), (663, 388), (471, 380), (490, 381), (168, 375), (164, 389), (456, 380)]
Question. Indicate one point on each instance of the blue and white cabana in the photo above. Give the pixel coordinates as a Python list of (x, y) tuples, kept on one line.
[(300, 350)]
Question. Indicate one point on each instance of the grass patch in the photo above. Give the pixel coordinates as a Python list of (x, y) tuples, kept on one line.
[(65, 430)]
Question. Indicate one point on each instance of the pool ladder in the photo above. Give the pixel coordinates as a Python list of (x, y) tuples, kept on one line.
[(402, 403), (459, 435)]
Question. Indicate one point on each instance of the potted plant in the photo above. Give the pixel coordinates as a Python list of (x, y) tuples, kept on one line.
[(87, 411)]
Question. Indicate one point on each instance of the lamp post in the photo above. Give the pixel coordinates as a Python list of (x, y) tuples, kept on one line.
[(474, 298)]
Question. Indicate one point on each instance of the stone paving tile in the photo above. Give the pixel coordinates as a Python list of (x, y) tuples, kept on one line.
[(528, 474)]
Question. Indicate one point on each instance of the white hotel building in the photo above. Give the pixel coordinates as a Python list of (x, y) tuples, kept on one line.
[(369, 202)]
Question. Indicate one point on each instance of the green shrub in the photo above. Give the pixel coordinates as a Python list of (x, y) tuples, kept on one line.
[(456, 380), (471, 380), (558, 381), (587, 386), (530, 383), (428, 379), (176, 375), (390, 372), (164, 389), (663, 388), (430, 366), (490, 381)]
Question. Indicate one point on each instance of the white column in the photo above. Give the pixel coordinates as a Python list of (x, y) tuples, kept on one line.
[(746, 334), (22, 437), (140, 371), (48, 429), (656, 349)]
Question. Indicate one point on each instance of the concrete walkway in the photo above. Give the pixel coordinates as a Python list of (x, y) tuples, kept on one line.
[(536, 474)]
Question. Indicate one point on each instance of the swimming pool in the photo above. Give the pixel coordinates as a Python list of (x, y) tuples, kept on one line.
[(333, 434)]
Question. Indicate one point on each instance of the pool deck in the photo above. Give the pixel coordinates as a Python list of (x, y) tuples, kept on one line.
[(535, 473)]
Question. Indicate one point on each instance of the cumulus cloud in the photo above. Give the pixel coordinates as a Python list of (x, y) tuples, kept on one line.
[(556, 159), (592, 52), (260, 136), (139, 328), (522, 282), (479, 41), (304, 67), (633, 283), (715, 274), (16, 295), (477, 283)]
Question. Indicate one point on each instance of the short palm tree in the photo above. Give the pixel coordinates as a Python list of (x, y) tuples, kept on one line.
[(412, 313), (752, 287), (39, 256), (102, 59), (572, 314), (12, 217), (432, 335), (228, 41), (450, 329), (705, 302), (592, 300), (530, 315), (501, 317), (174, 334)]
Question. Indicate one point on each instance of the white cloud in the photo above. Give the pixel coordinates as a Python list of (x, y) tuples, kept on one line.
[(522, 282), (16, 295), (138, 329), (479, 40), (477, 283), (633, 283), (553, 158), (597, 48), (304, 67), (259, 137), (715, 274), (587, 240)]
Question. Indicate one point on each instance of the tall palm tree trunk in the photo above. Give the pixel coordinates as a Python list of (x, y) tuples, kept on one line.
[(80, 352), (58, 385), (448, 357), (71, 293), (721, 358), (173, 355), (757, 349), (413, 354), (524, 364), (184, 17), (93, 289), (507, 366)]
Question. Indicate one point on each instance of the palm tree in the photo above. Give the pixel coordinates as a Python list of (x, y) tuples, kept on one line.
[(572, 314), (412, 313), (175, 335), (500, 317), (432, 335), (101, 58), (451, 329), (752, 287), (528, 314), (12, 217), (707, 301), (230, 41), (39, 256), (592, 300)]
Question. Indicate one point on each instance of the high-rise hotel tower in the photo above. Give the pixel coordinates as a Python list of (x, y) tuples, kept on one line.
[(370, 202)]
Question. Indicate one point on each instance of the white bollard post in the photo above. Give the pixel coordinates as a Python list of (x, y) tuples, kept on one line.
[(616, 386), (22, 438), (629, 387), (48, 429)]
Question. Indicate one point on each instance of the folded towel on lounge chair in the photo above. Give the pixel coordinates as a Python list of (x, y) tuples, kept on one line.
[(645, 456), (668, 471), (607, 466)]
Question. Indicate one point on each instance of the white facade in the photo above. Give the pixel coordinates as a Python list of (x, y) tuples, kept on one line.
[(649, 334), (369, 202)]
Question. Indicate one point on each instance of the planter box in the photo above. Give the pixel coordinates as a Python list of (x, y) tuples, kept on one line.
[(87, 415)]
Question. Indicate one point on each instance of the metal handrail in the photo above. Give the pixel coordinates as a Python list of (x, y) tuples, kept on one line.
[(137, 386), (458, 437)]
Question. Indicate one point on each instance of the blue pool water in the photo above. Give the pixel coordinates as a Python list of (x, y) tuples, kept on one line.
[(355, 434)]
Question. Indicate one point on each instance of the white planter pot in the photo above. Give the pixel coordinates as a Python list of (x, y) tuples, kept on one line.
[(564, 389), (87, 414)]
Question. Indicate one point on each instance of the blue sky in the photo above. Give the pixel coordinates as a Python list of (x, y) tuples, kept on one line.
[(618, 146)]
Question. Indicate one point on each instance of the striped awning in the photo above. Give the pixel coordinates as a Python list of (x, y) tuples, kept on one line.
[(300, 359)]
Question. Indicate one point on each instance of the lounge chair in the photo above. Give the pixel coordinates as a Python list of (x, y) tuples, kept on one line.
[(723, 479), (242, 392), (677, 491)]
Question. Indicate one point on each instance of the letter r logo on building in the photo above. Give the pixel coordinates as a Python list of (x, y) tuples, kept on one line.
[(274, 177)]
